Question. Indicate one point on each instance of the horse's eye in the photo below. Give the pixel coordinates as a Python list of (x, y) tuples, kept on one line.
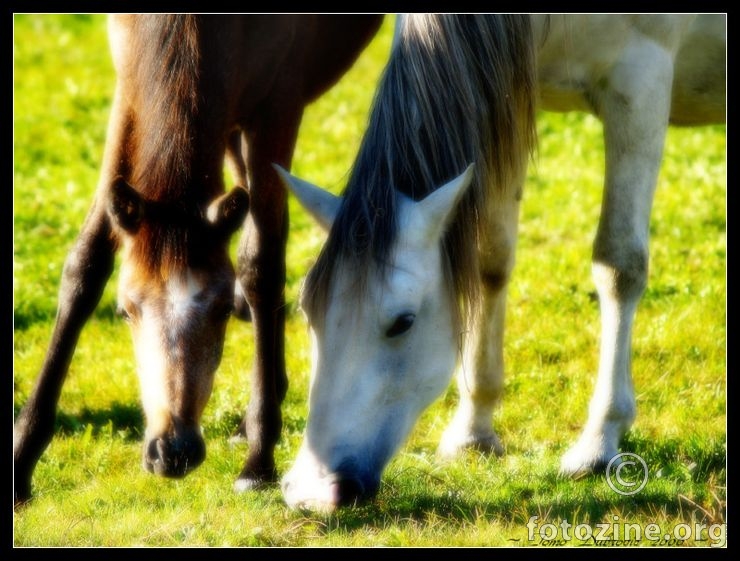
[(402, 324)]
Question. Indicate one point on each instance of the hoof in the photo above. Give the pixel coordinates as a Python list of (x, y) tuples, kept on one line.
[(20, 500), (244, 484), (22, 491), (585, 457), (252, 480), (453, 447)]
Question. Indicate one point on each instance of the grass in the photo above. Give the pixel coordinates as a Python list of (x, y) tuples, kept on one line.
[(89, 487)]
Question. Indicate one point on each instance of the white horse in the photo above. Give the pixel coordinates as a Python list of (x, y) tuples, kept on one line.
[(388, 300)]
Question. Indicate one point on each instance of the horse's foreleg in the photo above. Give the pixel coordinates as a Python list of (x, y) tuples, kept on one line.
[(261, 273), (480, 376), (634, 109), (86, 270)]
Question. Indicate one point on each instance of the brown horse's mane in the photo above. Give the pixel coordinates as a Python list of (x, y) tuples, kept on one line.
[(173, 154)]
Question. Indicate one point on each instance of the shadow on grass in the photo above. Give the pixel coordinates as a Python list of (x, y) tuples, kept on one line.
[(426, 508), (684, 475), (124, 419), (26, 314), (695, 456)]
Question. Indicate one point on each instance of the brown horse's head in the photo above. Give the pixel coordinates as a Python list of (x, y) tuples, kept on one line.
[(176, 291)]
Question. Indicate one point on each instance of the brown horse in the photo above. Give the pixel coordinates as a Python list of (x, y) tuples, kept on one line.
[(191, 92)]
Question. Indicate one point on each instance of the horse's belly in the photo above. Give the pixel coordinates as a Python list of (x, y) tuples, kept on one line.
[(699, 83), (577, 53), (562, 99), (574, 52)]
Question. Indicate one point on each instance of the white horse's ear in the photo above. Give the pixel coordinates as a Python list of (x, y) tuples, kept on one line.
[(321, 204), (438, 207)]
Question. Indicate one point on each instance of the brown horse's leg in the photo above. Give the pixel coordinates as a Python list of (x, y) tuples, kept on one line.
[(236, 159), (261, 272), (87, 269)]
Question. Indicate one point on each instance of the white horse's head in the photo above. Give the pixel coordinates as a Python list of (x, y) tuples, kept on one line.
[(383, 350)]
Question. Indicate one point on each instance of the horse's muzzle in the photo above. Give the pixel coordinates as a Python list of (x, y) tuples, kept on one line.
[(344, 488), (350, 491), (174, 456)]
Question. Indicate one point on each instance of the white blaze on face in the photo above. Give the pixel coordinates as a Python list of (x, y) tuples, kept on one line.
[(151, 357), (181, 294), (157, 326)]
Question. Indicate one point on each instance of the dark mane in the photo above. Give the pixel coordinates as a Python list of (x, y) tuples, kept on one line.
[(174, 155), (167, 82), (457, 90)]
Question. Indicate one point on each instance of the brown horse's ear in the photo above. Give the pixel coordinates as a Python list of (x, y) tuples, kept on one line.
[(226, 214), (125, 206)]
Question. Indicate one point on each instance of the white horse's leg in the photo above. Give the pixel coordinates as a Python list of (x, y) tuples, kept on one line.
[(634, 106), (480, 376)]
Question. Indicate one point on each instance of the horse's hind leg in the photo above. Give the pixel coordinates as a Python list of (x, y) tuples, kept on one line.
[(480, 376), (236, 159), (634, 109), (261, 272)]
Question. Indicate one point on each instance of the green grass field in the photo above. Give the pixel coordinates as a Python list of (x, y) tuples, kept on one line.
[(90, 489)]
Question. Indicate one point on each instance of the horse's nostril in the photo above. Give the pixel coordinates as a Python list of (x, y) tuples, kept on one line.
[(160, 452), (155, 450), (350, 491), (152, 458)]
